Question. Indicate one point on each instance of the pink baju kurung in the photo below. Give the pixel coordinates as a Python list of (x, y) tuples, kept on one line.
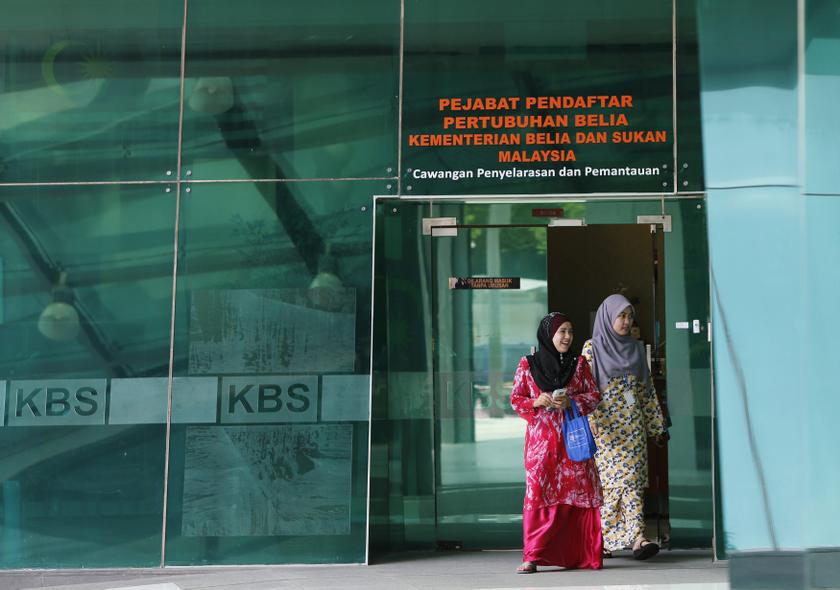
[(561, 523)]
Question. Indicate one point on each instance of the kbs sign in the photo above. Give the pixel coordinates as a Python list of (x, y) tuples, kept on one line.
[(269, 398), (57, 402), (241, 399)]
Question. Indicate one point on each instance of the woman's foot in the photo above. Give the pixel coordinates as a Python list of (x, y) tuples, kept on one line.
[(527, 567), (606, 554), (644, 549)]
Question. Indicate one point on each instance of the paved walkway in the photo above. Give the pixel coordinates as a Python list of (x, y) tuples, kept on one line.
[(481, 570)]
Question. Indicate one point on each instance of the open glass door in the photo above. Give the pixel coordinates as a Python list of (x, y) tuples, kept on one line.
[(479, 335), (664, 272), (586, 264), (481, 330)]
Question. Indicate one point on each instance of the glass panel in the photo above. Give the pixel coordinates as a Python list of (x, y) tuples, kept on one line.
[(822, 249), (689, 131), (755, 226), (273, 336), (89, 90), (749, 101), (483, 49), (85, 306), (402, 467), (282, 89), (822, 82), (821, 513), (745, 260), (480, 336), (688, 353)]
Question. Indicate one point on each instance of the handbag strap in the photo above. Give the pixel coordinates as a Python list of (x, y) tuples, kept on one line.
[(572, 411)]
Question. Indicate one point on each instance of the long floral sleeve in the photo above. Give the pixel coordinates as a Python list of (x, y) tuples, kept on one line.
[(521, 397), (654, 420), (596, 417)]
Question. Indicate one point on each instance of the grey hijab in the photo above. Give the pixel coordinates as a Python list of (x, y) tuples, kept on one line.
[(615, 355)]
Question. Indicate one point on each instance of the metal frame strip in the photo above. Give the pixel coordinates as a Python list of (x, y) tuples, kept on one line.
[(178, 181)]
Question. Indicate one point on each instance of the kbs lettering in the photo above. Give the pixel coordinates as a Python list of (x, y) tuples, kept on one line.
[(258, 400), (56, 404), (269, 398)]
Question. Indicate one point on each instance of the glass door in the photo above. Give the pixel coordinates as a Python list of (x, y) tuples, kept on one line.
[(490, 292), (480, 334), (586, 264)]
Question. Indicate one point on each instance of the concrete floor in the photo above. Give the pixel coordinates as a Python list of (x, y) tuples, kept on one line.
[(480, 570)]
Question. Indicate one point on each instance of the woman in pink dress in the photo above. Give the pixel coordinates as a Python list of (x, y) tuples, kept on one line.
[(561, 521)]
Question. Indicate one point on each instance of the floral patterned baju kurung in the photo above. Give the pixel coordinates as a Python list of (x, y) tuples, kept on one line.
[(628, 414), (561, 521)]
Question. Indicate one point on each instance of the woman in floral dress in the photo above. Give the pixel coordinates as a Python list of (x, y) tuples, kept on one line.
[(561, 524), (627, 416)]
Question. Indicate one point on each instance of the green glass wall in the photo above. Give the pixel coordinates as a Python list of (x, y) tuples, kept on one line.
[(87, 293), (212, 318), (90, 90), (282, 334), (689, 152), (187, 237), (291, 90)]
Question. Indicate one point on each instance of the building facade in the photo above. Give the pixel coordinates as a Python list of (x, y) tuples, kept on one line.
[(268, 267)]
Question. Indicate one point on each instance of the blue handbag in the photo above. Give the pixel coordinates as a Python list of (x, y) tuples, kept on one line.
[(580, 444)]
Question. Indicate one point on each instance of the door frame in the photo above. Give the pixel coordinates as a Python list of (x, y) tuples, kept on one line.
[(657, 204)]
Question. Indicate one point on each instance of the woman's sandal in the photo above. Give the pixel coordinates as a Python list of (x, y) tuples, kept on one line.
[(606, 554), (646, 550), (527, 567)]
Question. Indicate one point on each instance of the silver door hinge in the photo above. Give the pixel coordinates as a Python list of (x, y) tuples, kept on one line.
[(437, 226), (663, 220), (566, 222)]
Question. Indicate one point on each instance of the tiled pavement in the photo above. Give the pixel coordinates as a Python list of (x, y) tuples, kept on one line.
[(480, 570)]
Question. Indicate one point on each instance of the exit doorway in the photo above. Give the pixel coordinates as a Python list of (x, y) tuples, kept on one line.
[(479, 335)]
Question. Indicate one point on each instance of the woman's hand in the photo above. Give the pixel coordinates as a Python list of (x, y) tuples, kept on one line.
[(660, 440), (562, 402), (544, 401)]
